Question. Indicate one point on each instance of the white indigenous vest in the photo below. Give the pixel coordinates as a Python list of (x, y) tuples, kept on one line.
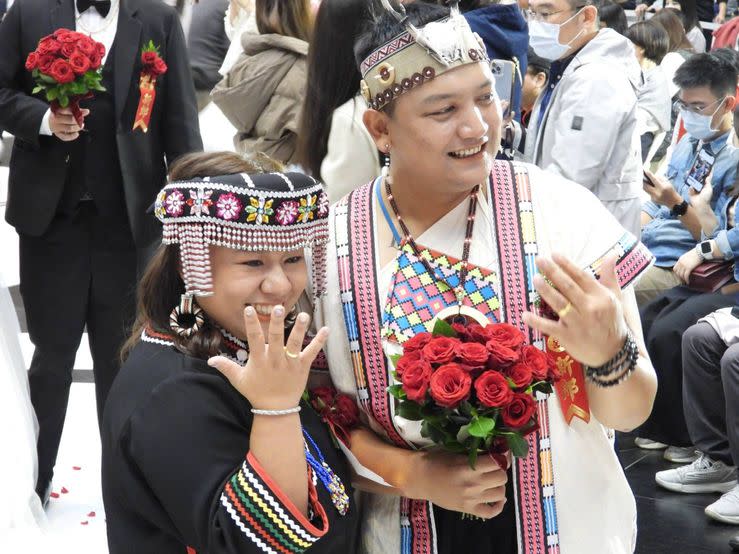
[(570, 492)]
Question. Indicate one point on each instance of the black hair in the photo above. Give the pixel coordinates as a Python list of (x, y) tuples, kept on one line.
[(688, 14), (537, 64), (612, 15), (707, 70), (652, 38), (333, 77), (386, 27), (728, 54), (469, 5)]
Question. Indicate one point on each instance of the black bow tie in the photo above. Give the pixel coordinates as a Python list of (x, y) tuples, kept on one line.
[(102, 6)]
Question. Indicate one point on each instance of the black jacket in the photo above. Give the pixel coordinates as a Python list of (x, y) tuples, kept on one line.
[(38, 166)]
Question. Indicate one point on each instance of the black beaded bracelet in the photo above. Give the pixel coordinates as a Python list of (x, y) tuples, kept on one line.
[(621, 365)]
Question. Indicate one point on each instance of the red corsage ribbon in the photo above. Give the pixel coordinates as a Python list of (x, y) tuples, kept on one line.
[(153, 67)]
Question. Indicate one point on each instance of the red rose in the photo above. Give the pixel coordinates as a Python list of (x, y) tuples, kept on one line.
[(537, 361), (478, 333), (79, 62), (520, 374), (519, 412), (68, 49), (440, 350), (346, 412), (61, 72), (86, 46), (492, 390), (412, 357), (160, 68), (96, 61), (506, 335), (49, 46), (148, 58), (32, 61), (322, 398), (60, 32), (44, 63), (69, 36), (415, 380), (472, 354), (501, 356), (461, 331), (450, 384), (416, 342), (100, 49)]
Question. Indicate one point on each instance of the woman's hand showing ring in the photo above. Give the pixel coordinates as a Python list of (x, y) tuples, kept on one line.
[(276, 373), (591, 327)]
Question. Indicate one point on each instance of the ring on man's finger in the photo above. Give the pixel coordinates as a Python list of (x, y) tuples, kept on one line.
[(564, 311), (290, 354)]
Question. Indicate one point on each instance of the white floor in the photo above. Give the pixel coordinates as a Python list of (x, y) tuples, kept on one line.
[(76, 520)]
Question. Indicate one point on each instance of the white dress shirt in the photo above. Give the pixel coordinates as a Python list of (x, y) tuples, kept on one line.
[(99, 28)]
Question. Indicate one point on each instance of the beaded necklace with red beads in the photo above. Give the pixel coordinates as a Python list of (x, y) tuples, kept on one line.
[(459, 292)]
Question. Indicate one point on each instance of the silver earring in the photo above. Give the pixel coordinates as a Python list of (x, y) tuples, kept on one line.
[(187, 318)]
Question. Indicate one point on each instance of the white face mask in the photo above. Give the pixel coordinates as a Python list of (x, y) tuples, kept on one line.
[(699, 125), (544, 38)]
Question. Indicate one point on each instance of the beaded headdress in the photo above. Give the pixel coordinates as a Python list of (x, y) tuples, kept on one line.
[(417, 55), (264, 212)]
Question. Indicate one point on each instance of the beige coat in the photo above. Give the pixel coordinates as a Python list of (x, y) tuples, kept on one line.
[(262, 94)]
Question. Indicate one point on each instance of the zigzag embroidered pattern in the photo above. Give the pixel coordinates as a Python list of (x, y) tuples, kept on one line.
[(260, 517), (416, 297), (392, 47)]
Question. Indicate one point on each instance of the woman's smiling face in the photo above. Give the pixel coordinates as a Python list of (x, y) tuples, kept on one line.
[(259, 279)]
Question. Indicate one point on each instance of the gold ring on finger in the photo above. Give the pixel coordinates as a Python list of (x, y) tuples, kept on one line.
[(290, 354), (564, 311)]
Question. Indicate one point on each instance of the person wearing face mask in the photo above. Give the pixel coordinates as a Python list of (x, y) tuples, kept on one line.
[(584, 125), (701, 229), (670, 226)]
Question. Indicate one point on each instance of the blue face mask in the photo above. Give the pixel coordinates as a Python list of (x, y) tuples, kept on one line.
[(699, 125), (544, 38)]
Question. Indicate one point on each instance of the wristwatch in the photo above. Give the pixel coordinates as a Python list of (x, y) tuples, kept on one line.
[(705, 249), (679, 210)]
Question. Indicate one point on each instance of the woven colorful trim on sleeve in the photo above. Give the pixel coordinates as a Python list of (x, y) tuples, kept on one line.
[(632, 259), (265, 516)]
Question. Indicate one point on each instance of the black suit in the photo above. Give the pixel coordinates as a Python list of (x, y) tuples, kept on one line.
[(79, 257)]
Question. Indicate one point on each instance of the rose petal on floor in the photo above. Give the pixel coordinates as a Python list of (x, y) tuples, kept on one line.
[(65, 490), (91, 514), (54, 495), (76, 468), (84, 522)]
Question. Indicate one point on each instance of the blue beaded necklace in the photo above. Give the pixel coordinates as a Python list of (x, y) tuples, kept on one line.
[(326, 475)]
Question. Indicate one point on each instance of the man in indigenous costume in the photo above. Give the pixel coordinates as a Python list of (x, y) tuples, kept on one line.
[(447, 229)]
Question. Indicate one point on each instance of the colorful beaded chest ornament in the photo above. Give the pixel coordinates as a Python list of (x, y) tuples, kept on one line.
[(394, 69), (266, 212)]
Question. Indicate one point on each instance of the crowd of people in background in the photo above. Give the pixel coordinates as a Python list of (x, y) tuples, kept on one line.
[(636, 102)]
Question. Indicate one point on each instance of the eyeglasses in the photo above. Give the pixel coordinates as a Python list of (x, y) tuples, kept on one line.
[(679, 105), (531, 15)]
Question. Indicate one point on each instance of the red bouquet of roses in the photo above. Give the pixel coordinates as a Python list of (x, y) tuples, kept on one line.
[(473, 387), (66, 68)]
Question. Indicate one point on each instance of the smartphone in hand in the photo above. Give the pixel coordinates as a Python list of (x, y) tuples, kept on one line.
[(646, 181)]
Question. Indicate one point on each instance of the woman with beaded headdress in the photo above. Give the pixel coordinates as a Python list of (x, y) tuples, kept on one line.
[(448, 231), (207, 446)]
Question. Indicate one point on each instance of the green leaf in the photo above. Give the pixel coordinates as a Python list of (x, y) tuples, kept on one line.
[(465, 408), (410, 410), (519, 446), (482, 427), (63, 101), (395, 358), (397, 391), (442, 328), (37, 89), (52, 94), (464, 433)]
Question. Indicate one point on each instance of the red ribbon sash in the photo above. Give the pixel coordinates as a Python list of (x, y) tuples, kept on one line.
[(147, 93), (573, 397)]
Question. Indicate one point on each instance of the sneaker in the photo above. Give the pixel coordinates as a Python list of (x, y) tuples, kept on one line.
[(648, 444), (703, 475), (726, 508), (680, 454)]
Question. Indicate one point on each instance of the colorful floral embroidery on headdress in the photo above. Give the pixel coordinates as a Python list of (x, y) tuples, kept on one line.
[(261, 212)]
